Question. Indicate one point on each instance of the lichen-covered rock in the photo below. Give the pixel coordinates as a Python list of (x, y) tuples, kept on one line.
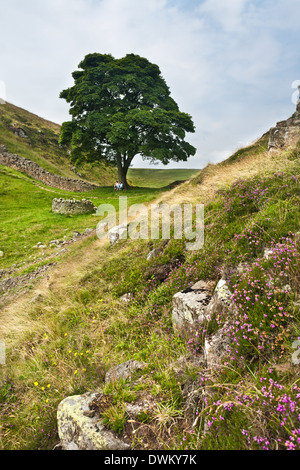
[(221, 300), (190, 306), (72, 206), (216, 347), (285, 133), (35, 171), (200, 303), (79, 427)]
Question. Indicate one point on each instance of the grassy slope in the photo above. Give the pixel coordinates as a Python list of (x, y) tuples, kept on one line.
[(64, 342), (157, 178), (41, 145)]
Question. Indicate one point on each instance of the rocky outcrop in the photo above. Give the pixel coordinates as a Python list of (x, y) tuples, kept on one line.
[(33, 170), (190, 307), (198, 305), (72, 206), (286, 133)]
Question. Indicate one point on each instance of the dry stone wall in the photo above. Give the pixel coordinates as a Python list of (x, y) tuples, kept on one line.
[(72, 206), (32, 169)]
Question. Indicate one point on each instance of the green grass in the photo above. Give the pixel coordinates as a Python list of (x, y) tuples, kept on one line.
[(158, 178), (27, 218)]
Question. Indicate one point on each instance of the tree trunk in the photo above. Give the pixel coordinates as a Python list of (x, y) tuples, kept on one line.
[(122, 172), (123, 164)]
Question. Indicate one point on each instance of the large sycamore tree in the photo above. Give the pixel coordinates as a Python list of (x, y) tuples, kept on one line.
[(121, 108)]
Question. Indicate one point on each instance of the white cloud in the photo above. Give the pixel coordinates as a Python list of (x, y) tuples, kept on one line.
[(229, 14), (229, 64)]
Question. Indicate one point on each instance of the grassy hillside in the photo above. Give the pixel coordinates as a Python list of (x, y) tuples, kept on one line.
[(64, 328), (157, 178), (257, 149), (64, 334), (33, 137)]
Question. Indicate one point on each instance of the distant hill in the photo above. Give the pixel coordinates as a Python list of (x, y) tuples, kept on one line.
[(158, 178)]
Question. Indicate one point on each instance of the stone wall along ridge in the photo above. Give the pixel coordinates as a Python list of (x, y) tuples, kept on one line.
[(32, 169)]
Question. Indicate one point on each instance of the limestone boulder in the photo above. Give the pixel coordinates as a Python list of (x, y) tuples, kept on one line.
[(220, 302), (190, 306), (80, 428), (201, 303), (217, 347)]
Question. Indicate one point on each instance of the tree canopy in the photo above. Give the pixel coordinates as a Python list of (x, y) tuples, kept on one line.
[(121, 108)]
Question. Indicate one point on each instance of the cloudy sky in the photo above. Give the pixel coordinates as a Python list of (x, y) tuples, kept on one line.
[(231, 64)]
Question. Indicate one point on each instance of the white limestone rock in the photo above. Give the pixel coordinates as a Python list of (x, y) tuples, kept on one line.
[(80, 428)]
